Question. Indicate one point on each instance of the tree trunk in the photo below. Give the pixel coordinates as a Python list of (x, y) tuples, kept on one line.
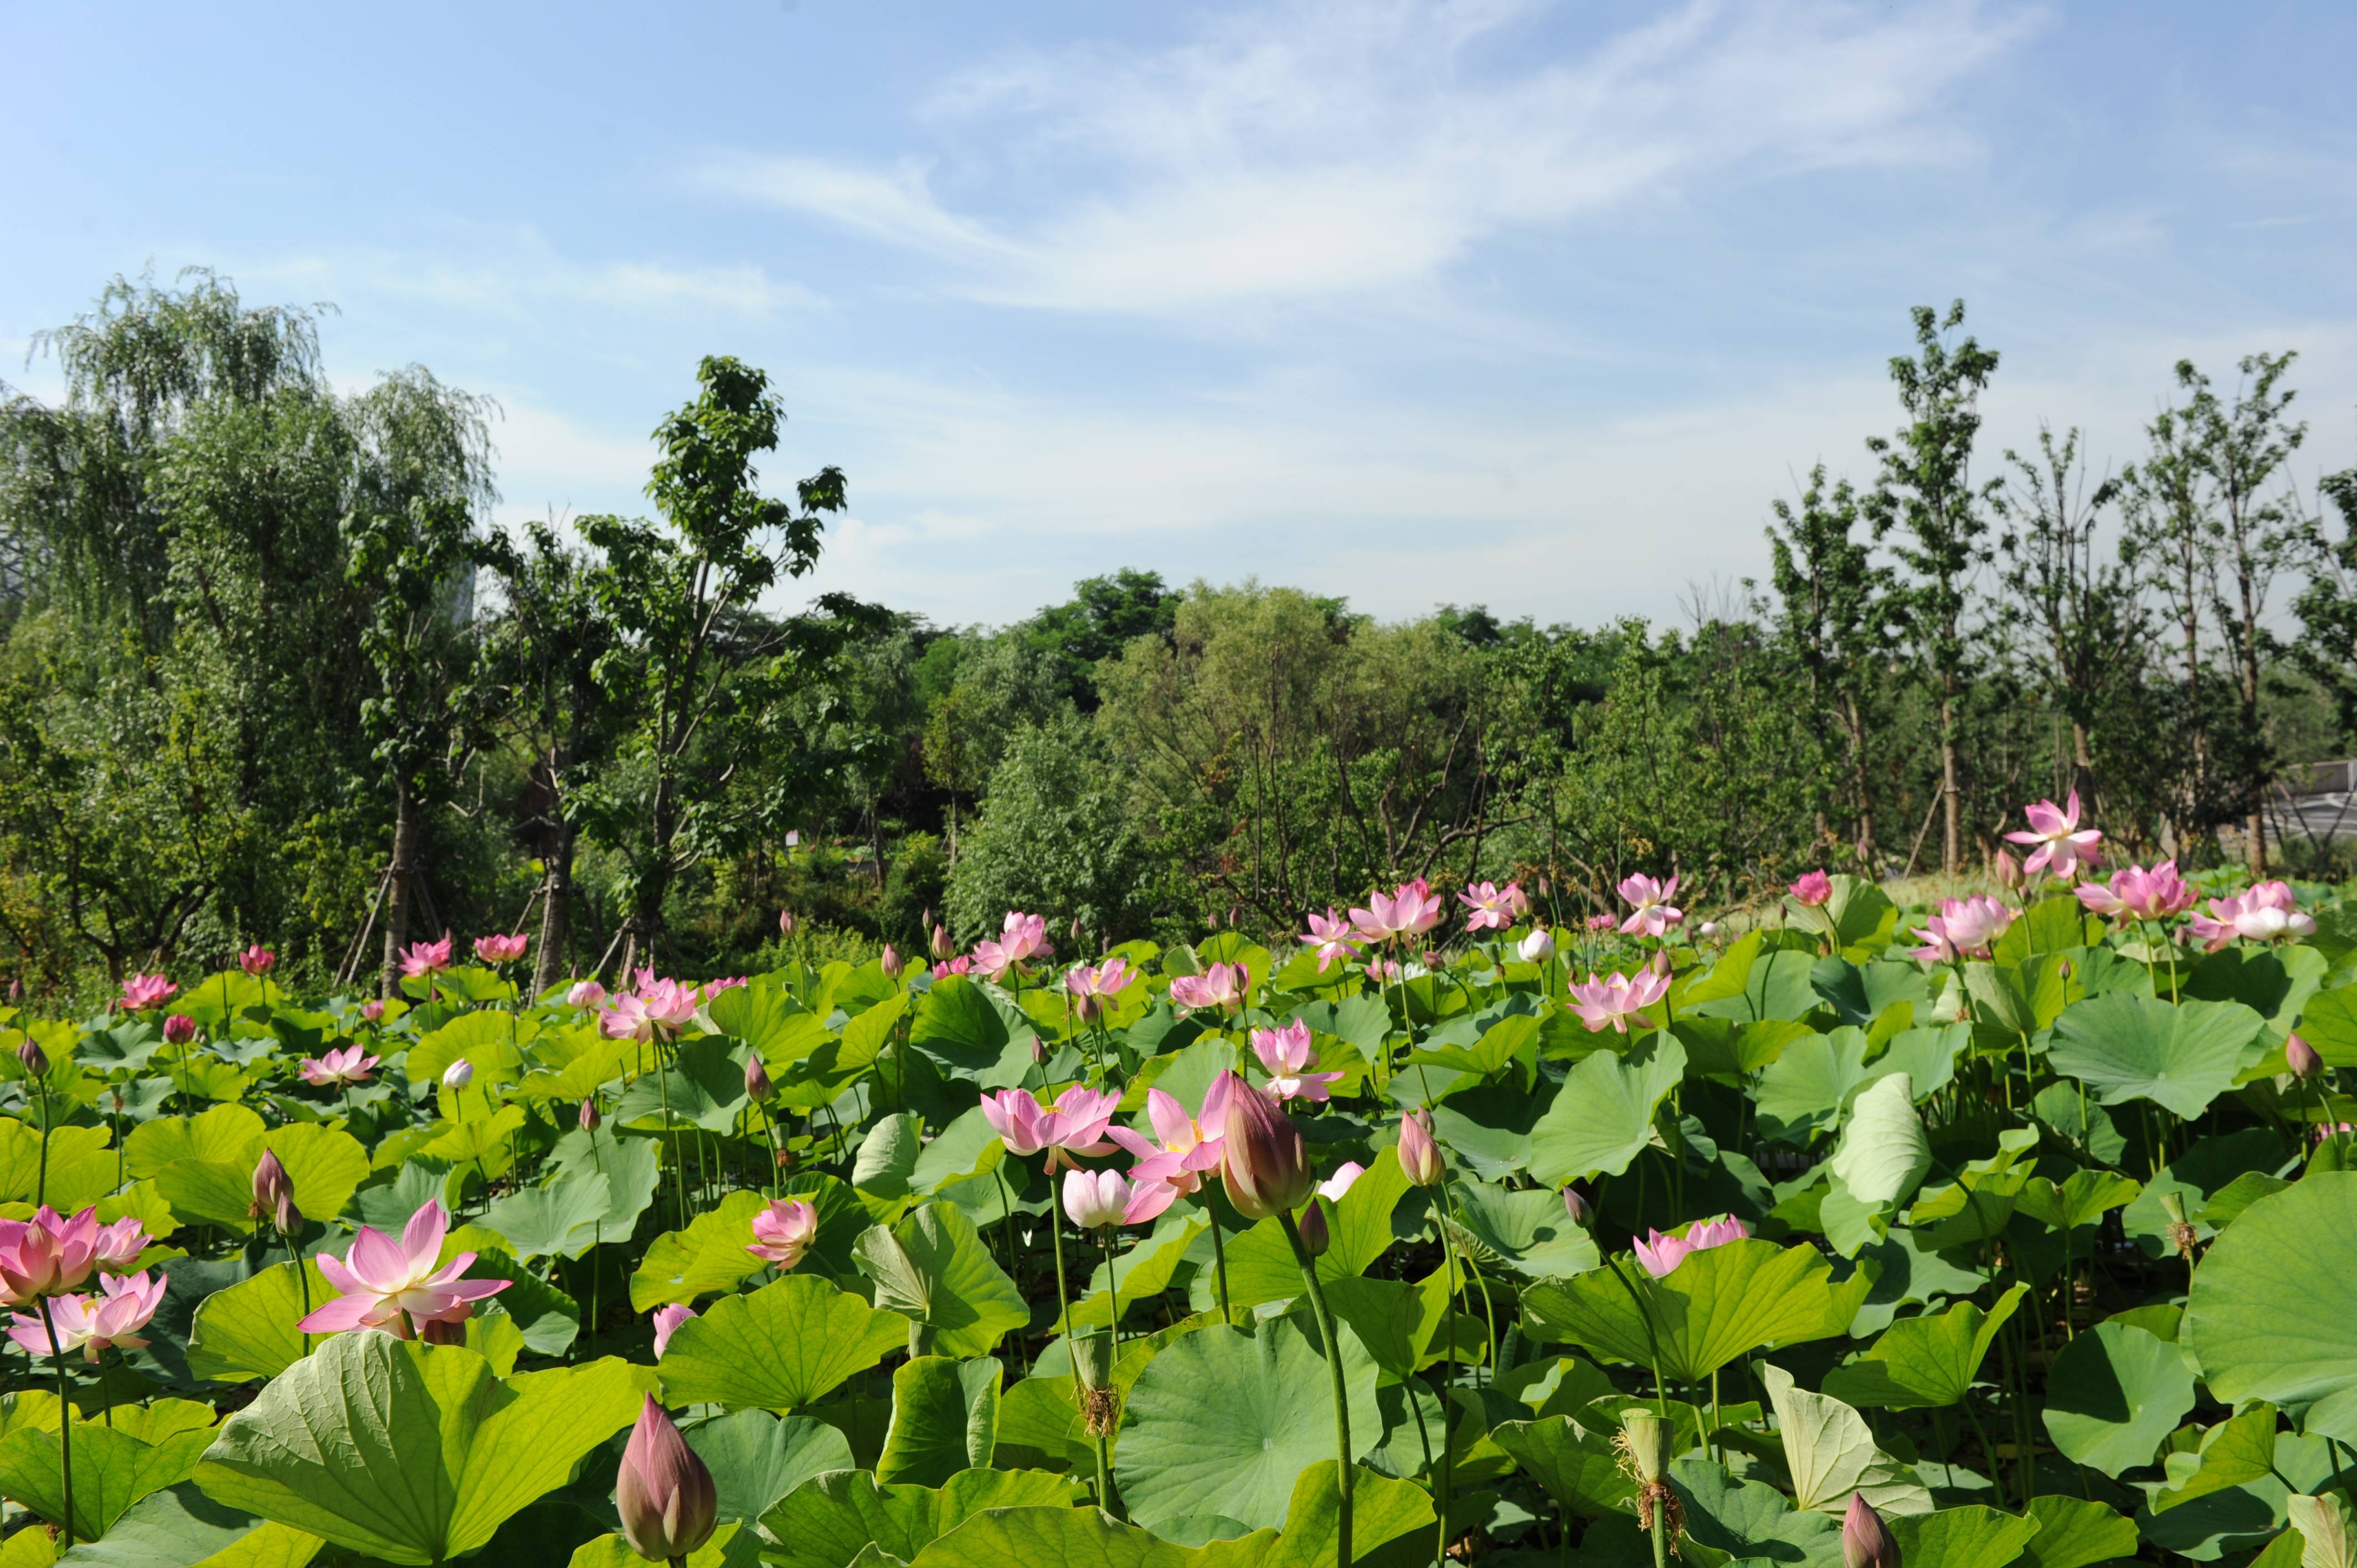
[(555, 911), (401, 890), (1856, 725), (1952, 815)]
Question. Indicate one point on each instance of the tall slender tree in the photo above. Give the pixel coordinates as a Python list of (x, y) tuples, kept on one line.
[(1925, 495)]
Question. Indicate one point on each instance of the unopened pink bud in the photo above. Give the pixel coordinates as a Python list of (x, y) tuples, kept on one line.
[(180, 1028), (2301, 1058), (664, 1495)]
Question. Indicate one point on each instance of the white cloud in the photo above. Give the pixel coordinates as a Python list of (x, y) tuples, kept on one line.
[(1329, 148)]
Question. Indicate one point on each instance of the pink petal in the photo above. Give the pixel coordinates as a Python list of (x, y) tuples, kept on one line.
[(376, 1260), (422, 1237), (346, 1312), (1171, 1120)]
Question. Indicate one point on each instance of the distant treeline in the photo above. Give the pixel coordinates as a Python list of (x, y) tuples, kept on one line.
[(267, 673)]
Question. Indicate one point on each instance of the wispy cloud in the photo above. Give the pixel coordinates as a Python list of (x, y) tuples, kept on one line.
[(1326, 149)]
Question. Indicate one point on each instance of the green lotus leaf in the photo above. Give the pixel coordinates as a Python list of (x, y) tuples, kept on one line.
[(780, 1348), (1830, 1452), (1884, 1152), (325, 1164), (756, 1458), (2114, 1394), (1746, 1519), (1527, 1232), (410, 1453), (706, 1257), (1974, 1535), (113, 1469), (1719, 1303), (731, 1546), (179, 1526), (944, 1420), (934, 1268), (2136, 1048), (1222, 1421), (248, 1330), (1602, 1117), (1580, 1469), (831, 1519), (2272, 1313), (1803, 1091), (2073, 1532), (1924, 1363), (1382, 1509), (83, 1166), (2233, 1453)]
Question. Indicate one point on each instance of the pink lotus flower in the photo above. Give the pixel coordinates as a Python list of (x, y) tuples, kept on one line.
[(1023, 936), (961, 964), (667, 1320), (395, 1287), (1094, 989), (1223, 986), (256, 960), (1174, 1167), (372, 1010), (425, 959), (1331, 936), (336, 1069), (1492, 906), (712, 988), (1538, 947), (46, 1255), (783, 1231), (1663, 1254), (1963, 928), (663, 1495), (657, 1008), (2137, 894), (1653, 914), (1096, 1199), (2006, 870), (1811, 890), (2265, 913), (1601, 922), (585, 993), (1614, 1000), (114, 1247), (1382, 972), (1284, 1053), (142, 991), (1419, 1156), (180, 1028), (1412, 910), (1074, 1125), (1332, 1188), (501, 949), (93, 1325), (2062, 844)]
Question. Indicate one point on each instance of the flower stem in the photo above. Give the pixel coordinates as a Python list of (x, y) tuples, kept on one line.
[(65, 1426), (1448, 1398), (1342, 1469), (1063, 1292), (1218, 1261), (41, 1182)]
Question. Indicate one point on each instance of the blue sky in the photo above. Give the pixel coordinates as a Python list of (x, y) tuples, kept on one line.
[(1538, 306)]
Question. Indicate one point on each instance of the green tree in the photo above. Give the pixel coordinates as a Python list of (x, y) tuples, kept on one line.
[(1925, 495), (710, 670)]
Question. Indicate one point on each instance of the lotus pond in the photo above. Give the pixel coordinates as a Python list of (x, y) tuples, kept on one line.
[(2013, 1231)]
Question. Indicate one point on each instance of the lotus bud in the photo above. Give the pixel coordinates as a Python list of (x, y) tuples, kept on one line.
[(1076, 930), (372, 1011), (667, 1322), (1660, 961), (942, 947), (1707, 929), (1546, 891), (589, 1117), (458, 1074), (1039, 1051), (890, 962), (786, 922), (1582, 1214), (274, 1194), (585, 994), (2007, 872), (756, 1081), (1419, 1156), (2301, 1058), (665, 1496), (35, 1060), (1263, 1161), (1313, 1229), (180, 1028), (1538, 947), (1865, 1540)]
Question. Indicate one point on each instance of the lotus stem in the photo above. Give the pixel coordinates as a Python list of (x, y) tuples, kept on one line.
[(65, 1426), (1342, 1476), (1218, 1261)]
